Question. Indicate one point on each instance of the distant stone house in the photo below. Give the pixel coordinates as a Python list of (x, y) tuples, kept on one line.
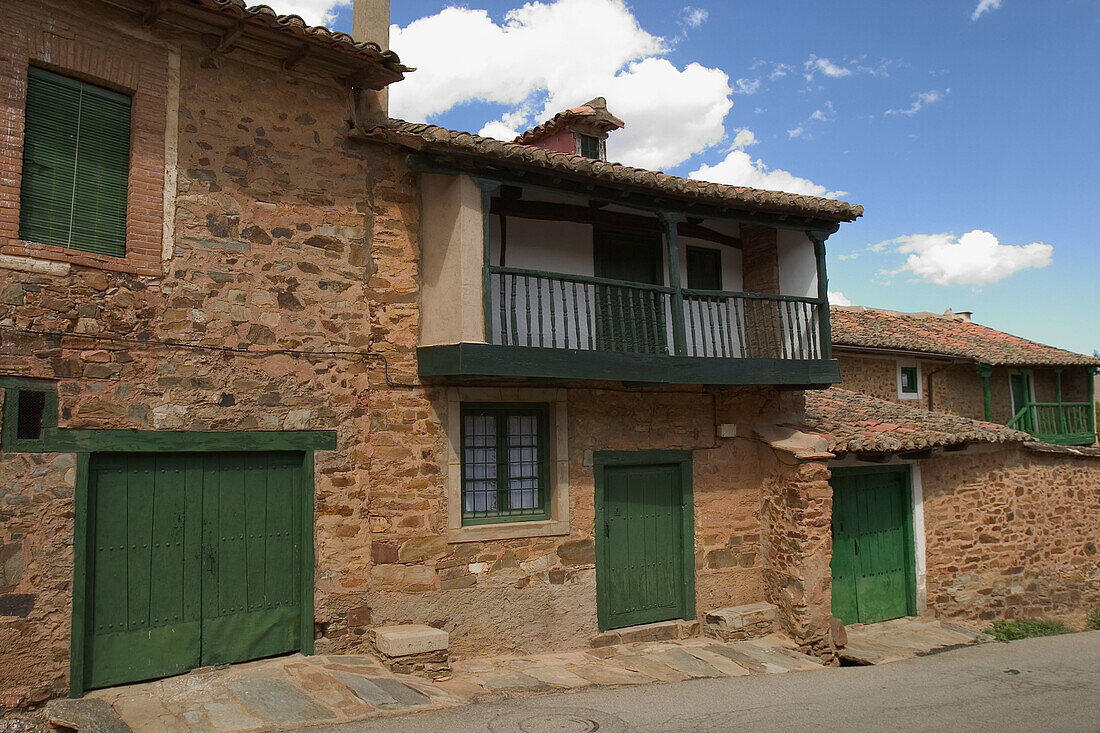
[(949, 363), (281, 370)]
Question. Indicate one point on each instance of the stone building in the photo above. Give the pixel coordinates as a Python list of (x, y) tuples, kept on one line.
[(281, 371), (951, 364)]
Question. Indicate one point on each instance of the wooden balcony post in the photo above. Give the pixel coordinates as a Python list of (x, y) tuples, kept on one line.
[(1062, 427), (1091, 373), (488, 188), (985, 371), (679, 335), (824, 324)]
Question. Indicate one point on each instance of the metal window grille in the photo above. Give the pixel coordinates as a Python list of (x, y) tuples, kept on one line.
[(30, 415), (505, 462)]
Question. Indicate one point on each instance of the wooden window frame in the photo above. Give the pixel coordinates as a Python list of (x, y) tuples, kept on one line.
[(13, 387), (502, 412), (557, 522), (916, 394)]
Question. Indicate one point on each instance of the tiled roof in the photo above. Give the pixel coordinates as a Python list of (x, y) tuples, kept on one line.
[(854, 422), (592, 113), (948, 334), (295, 27), (432, 138), (1065, 450)]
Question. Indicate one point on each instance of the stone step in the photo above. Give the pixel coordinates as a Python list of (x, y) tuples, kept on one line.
[(659, 631), (795, 661), (865, 651), (740, 623)]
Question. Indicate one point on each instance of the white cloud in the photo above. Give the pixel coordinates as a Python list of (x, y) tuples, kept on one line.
[(693, 17), (920, 101), (743, 139), (984, 6), (826, 114), (796, 132), (526, 64), (746, 86), (739, 169), (313, 12), (975, 258), (838, 298), (815, 65)]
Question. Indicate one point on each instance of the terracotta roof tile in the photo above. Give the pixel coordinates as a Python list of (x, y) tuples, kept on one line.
[(432, 138), (854, 422), (592, 114), (294, 26), (947, 334), (1065, 450)]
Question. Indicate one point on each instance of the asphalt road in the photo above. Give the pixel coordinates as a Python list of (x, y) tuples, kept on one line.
[(1050, 684)]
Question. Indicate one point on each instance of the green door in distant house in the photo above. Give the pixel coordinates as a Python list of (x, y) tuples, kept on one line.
[(628, 319), (873, 567), (193, 559), (644, 537), (1021, 397)]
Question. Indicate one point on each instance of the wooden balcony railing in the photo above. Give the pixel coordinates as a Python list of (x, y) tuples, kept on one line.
[(1065, 423), (554, 310)]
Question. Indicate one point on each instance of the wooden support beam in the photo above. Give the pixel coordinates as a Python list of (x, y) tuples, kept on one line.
[(226, 41), (985, 371), (296, 56), (874, 457), (155, 10), (918, 455), (592, 214)]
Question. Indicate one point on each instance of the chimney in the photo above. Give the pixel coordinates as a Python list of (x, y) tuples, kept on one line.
[(580, 131), (370, 22), (964, 316)]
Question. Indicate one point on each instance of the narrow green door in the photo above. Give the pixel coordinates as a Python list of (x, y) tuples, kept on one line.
[(628, 319), (193, 560), (640, 546), (872, 564), (1021, 397)]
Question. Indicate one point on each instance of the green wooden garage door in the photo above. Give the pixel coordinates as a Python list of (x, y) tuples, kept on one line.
[(193, 559), (872, 565)]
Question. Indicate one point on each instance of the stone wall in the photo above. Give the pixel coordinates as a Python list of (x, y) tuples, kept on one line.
[(1012, 533), (957, 388), (797, 528), (277, 216), (533, 594)]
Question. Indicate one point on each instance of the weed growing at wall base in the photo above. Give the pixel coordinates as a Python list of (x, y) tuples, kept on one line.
[(1025, 628)]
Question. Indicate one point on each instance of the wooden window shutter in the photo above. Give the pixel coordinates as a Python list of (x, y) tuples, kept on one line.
[(76, 163)]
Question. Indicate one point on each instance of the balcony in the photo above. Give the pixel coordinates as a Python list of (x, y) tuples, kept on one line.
[(1060, 423), (548, 286)]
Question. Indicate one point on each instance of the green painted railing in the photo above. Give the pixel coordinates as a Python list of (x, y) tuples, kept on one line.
[(555, 310), (1066, 423), (752, 325)]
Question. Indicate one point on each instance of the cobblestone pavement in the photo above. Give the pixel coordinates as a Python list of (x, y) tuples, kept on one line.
[(295, 691)]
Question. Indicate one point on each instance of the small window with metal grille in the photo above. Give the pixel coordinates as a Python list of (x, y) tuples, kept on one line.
[(505, 462), (30, 414), (588, 146), (30, 408)]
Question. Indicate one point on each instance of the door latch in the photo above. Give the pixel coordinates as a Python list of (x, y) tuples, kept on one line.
[(606, 529)]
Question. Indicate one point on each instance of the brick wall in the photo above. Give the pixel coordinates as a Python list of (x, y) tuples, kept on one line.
[(1012, 533), (86, 44)]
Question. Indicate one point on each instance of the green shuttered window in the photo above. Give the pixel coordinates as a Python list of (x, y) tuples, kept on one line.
[(505, 462), (76, 163)]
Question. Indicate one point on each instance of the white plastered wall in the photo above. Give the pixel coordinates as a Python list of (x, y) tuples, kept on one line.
[(797, 264)]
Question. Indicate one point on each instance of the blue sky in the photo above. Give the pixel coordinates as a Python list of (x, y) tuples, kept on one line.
[(937, 122)]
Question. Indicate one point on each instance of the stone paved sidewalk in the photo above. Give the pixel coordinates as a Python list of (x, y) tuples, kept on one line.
[(296, 691)]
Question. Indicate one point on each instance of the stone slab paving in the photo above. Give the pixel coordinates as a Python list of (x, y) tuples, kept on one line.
[(296, 691), (903, 638)]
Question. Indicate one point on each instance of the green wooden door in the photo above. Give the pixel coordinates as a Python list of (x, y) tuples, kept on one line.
[(192, 560), (872, 563), (641, 553), (628, 319), (1021, 397)]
